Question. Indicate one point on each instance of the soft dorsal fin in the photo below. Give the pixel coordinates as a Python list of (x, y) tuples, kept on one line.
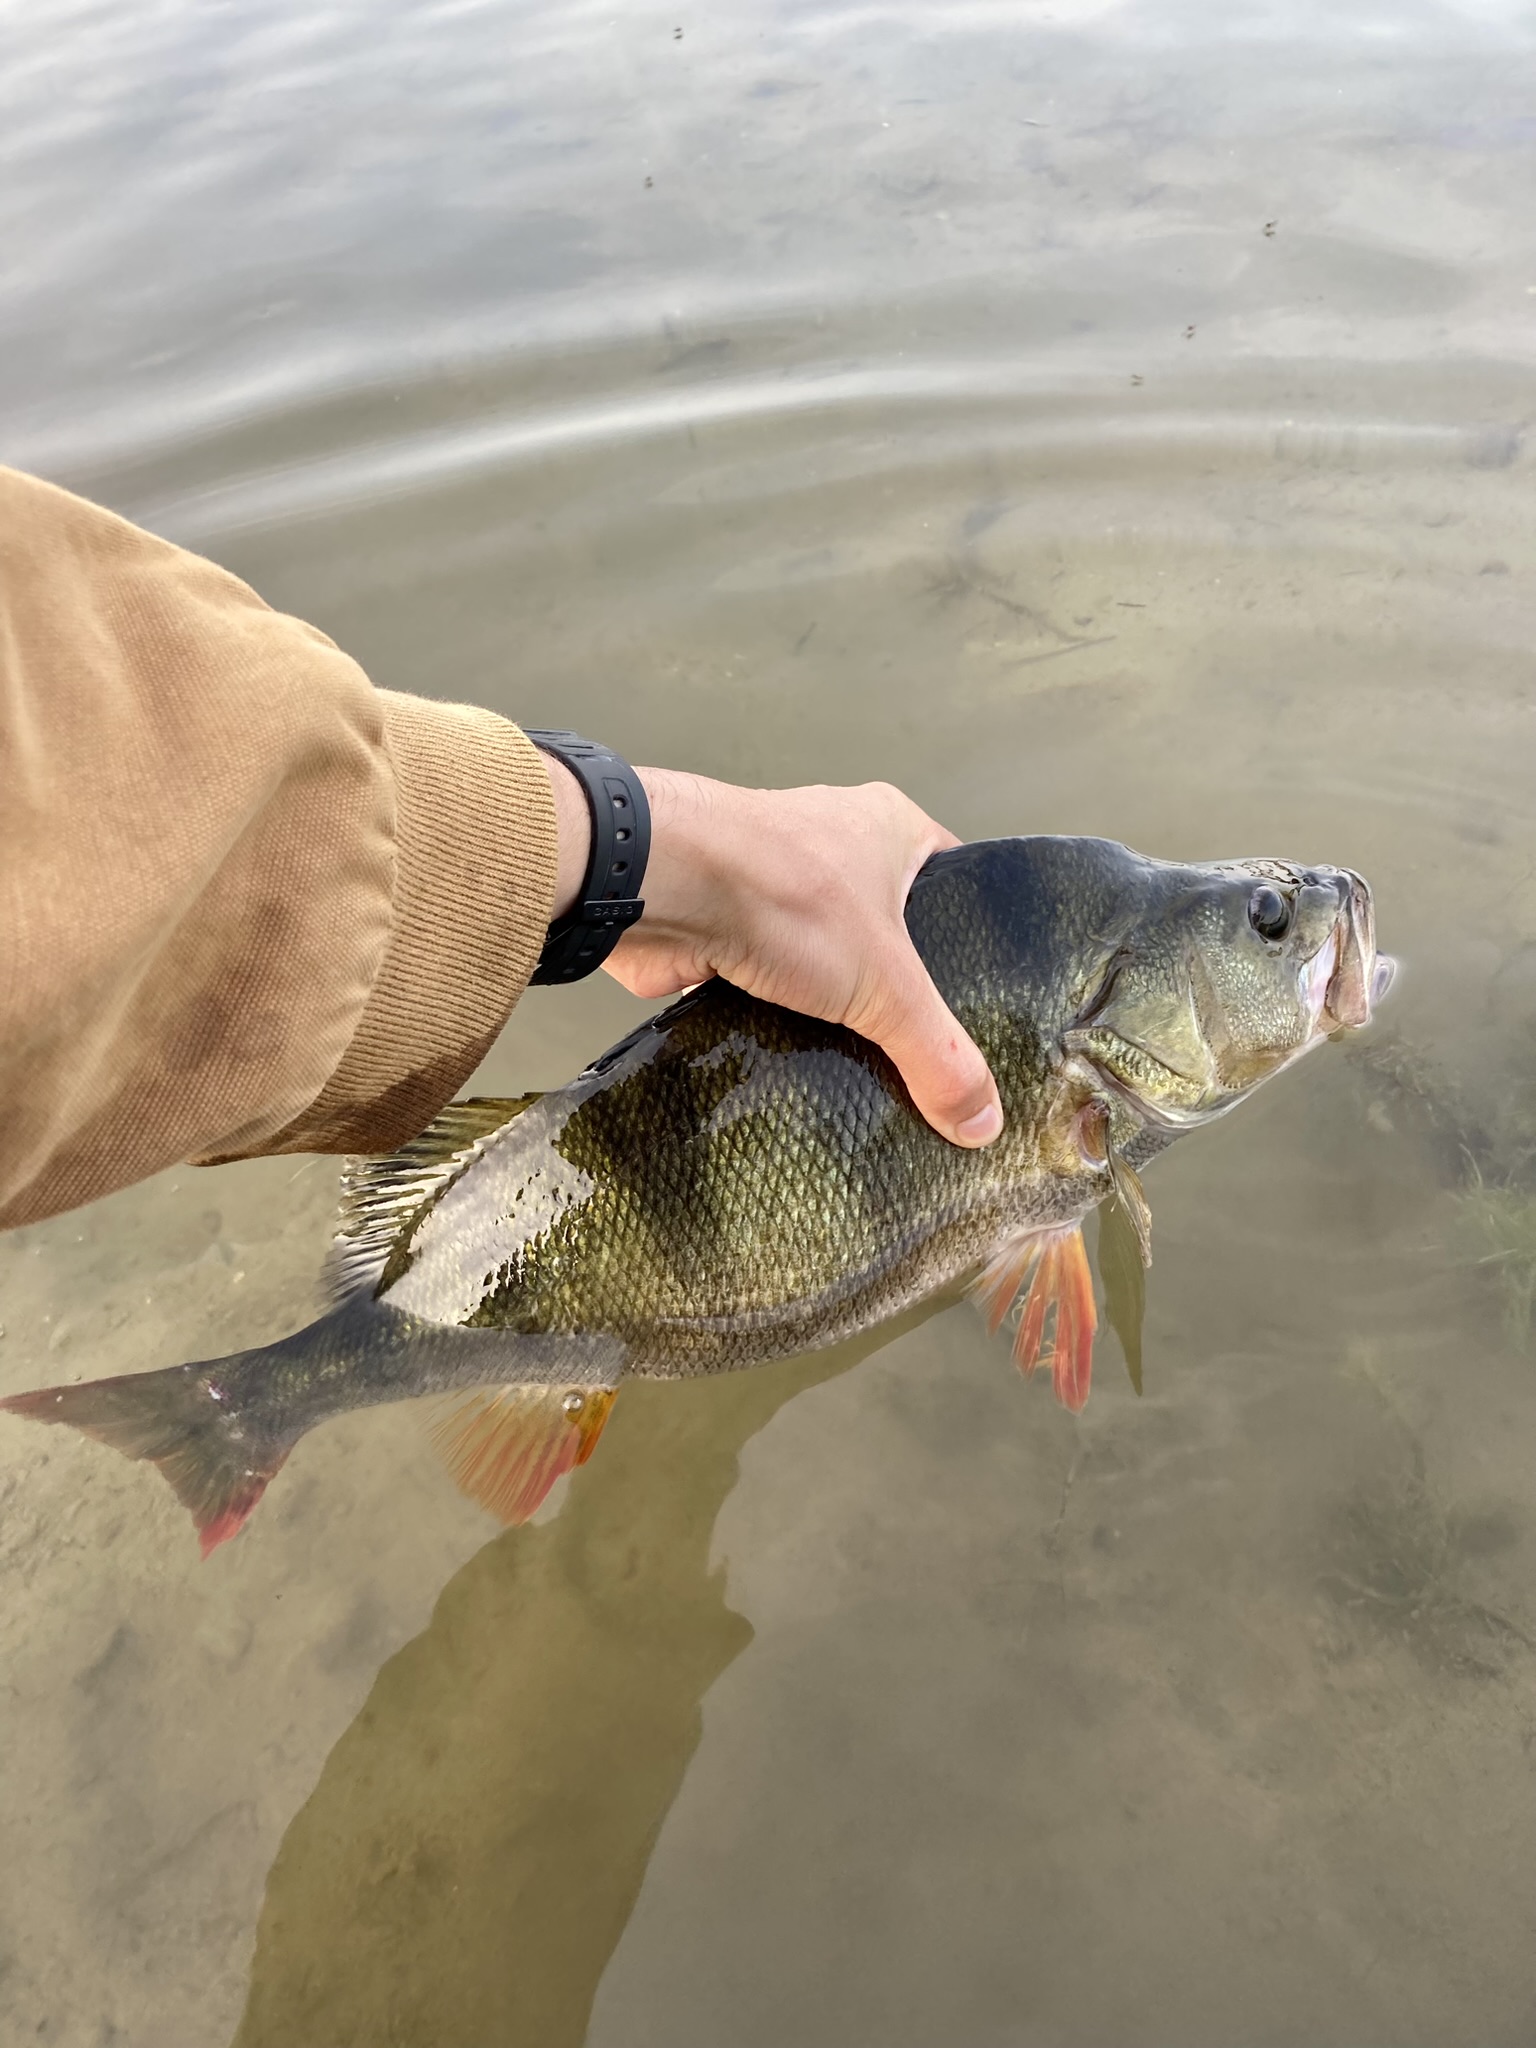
[(381, 1198), (506, 1446)]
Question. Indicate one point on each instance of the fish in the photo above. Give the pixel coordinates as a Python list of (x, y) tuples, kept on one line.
[(734, 1183)]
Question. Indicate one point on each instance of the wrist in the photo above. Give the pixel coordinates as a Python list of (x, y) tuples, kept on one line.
[(693, 820), (573, 825)]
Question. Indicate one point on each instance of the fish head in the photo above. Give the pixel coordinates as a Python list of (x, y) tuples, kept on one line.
[(1228, 974)]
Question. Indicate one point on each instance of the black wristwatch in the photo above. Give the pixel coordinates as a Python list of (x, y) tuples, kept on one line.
[(609, 900)]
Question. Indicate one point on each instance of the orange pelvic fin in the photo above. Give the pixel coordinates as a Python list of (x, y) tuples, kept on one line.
[(506, 1446), (1055, 1264)]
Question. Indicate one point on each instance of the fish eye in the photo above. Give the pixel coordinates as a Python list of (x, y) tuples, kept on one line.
[(1269, 913)]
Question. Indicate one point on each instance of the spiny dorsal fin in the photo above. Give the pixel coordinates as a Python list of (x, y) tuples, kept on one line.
[(506, 1446), (381, 1198)]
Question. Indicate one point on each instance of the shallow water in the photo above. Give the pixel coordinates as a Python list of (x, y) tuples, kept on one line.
[(1103, 418)]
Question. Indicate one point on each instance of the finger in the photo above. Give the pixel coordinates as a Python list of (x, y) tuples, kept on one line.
[(889, 820), (946, 1074), (650, 983), (651, 971), (926, 837)]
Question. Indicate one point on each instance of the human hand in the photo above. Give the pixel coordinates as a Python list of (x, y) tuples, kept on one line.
[(796, 896)]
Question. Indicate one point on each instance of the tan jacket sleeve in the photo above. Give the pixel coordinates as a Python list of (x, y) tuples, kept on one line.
[(248, 903)]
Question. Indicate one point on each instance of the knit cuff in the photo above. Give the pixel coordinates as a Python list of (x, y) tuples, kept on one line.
[(476, 855)]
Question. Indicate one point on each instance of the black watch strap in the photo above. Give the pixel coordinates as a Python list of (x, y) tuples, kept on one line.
[(609, 901)]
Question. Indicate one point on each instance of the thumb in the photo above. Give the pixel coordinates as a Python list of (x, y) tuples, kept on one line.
[(946, 1075)]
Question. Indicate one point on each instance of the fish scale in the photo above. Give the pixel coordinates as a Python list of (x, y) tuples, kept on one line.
[(734, 1182)]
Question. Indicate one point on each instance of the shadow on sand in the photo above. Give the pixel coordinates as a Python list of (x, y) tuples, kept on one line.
[(477, 1839)]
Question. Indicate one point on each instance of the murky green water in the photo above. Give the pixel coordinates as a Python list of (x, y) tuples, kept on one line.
[(1104, 417)]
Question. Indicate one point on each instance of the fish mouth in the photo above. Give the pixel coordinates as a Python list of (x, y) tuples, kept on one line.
[(1317, 978), (1346, 977)]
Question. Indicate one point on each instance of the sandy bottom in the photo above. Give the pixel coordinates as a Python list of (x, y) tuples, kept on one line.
[(1205, 1718)]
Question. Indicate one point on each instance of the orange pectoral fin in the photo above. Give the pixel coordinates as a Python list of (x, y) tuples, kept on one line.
[(1076, 1321), (1055, 1265), (1003, 1276), (506, 1446), (1029, 1337), (1059, 1278)]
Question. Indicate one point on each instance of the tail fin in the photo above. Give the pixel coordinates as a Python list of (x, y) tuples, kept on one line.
[(220, 1430), (217, 1467)]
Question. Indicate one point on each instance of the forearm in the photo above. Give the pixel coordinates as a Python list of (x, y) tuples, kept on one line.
[(248, 903)]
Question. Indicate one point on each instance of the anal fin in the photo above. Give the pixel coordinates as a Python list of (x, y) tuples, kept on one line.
[(1054, 1263), (506, 1446)]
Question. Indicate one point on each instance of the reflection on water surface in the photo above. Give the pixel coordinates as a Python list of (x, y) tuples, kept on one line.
[(1096, 418)]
